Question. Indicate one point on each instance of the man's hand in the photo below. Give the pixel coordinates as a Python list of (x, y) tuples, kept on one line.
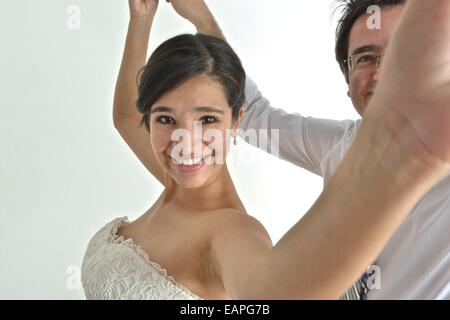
[(143, 8), (414, 88)]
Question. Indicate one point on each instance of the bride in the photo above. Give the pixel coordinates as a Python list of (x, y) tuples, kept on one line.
[(197, 241)]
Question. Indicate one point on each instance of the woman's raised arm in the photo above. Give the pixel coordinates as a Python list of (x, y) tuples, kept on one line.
[(125, 115)]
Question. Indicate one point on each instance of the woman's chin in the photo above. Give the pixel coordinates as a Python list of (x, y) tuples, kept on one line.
[(191, 183)]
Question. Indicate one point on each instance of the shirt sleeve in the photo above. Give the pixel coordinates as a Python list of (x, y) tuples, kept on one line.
[(303, 141)]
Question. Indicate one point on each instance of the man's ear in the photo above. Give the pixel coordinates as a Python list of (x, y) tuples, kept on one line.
[(348, 94)]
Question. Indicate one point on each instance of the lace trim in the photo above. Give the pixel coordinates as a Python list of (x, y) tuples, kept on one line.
[(115, 238)]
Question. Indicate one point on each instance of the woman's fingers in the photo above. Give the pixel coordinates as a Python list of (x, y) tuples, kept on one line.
[(143, 8)]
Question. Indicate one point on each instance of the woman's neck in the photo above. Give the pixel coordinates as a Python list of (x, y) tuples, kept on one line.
[(219, 193)]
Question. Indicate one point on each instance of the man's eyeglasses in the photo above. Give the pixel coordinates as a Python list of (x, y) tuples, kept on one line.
[(362, 61)]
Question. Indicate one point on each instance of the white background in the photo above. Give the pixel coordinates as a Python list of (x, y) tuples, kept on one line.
[(64, 170)]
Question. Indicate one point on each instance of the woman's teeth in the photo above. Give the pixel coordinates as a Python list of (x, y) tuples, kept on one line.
[(187, 162)]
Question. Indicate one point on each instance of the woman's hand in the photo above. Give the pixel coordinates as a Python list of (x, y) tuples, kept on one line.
[(143, 8), (198, 13), (195, 11)]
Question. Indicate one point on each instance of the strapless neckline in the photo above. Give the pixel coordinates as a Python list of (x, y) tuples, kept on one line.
[(129, 242)]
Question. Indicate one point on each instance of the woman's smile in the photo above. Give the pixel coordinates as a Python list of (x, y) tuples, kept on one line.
[(189, 165)]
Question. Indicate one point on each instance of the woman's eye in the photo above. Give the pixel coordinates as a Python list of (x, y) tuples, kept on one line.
[(208, 120), (165, 120)]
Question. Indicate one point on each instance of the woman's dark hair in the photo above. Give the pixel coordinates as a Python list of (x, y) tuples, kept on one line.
[(183, 57), (351, 10)]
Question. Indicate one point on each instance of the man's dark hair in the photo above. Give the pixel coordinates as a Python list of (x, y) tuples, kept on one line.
[(351, 10), (183, 57)]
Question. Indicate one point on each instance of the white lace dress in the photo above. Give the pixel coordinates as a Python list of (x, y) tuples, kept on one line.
[(114, 268)]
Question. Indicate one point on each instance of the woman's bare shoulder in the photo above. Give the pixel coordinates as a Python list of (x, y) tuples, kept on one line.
[(229, 221)]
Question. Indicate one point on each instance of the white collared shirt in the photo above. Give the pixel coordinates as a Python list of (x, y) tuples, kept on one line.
[(415, 263)]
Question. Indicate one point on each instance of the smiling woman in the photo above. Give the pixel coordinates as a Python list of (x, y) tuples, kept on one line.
[(197, 240), (180, 136), (191, 83)]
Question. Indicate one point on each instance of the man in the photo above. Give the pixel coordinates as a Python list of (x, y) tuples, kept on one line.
[(415, 264)]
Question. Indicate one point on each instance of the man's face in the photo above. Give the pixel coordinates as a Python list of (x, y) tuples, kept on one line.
[(362, 82)]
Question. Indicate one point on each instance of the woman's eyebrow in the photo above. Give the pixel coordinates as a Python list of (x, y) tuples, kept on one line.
[(209, 109), (161, 109), (206, 109)]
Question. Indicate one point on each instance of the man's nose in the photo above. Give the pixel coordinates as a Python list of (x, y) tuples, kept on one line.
[(376, 74), (376, 71)]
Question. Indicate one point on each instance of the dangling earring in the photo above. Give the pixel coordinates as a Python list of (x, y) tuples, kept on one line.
[(235, 139)]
